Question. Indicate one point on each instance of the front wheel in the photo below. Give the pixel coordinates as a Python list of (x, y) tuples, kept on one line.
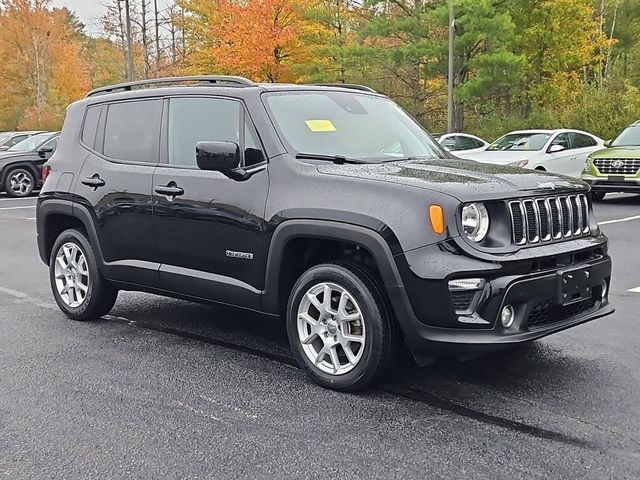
[(19, 183), (77, 285), (339, 326)]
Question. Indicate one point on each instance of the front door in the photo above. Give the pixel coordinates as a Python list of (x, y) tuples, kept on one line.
[(209, 232)]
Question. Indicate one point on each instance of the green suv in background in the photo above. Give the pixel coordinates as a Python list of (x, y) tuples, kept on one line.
[(617, 167)]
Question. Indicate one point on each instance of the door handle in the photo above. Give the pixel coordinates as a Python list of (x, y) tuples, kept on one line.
[(170, 190), (94, 182)]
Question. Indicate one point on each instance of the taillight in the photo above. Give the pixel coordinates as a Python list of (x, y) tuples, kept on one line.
[(45, 172)]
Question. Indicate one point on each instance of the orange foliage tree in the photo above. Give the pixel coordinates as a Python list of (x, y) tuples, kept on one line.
[(43, 70), (261, 39)]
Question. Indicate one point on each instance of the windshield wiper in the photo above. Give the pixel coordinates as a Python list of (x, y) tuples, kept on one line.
[(337, 159)]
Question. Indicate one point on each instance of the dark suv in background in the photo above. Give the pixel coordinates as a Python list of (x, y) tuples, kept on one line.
[(21, 165), (326, 205)]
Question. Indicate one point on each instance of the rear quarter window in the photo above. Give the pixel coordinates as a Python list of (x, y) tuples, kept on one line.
[(90, 126)]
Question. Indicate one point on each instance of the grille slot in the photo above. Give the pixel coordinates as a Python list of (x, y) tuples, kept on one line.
[(550, 218), (618, 166)]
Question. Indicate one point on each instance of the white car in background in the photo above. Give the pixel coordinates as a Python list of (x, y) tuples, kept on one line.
[(560, 151), (457, 143)]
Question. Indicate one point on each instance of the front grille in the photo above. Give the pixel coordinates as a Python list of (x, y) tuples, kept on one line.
[(546, 313), (618, 166), (550, 218)]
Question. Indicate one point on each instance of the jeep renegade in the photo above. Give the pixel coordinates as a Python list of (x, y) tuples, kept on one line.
[(326, 205)]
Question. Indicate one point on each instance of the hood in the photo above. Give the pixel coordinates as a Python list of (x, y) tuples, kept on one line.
[(465, 180), (6, 157), (617, 152), (503, 157)]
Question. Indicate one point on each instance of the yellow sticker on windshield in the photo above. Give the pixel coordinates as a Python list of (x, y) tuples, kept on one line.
[(320, 125)]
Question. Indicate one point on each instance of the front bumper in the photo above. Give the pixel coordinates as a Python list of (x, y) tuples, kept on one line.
[(433, 322), (613, 184)]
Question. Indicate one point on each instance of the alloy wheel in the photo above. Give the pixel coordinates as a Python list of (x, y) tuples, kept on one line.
[(20, 183), (71, 275), (331, 328)]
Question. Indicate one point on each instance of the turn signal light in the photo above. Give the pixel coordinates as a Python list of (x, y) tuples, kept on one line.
[(436, 215)]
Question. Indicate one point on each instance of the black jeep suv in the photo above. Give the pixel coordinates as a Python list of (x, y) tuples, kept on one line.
[(327, 205)]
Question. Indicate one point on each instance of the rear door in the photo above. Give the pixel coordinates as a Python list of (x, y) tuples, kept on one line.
[(121, 143), (210, 236)]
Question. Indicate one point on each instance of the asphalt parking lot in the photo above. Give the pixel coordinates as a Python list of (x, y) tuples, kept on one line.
[(166, 388)]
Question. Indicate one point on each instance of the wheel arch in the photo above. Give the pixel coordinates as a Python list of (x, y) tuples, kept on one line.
[(56, 215), (310, 235), (18, 164)]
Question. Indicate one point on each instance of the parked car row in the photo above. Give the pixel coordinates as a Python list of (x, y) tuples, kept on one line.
[(21, 162), (606, 166)]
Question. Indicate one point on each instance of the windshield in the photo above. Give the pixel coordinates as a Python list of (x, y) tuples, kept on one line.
[(521, 142), (31, 143), (629, 138), (351, 125)]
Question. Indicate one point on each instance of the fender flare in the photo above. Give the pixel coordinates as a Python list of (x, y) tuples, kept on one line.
[(69, 208), (364, 237)]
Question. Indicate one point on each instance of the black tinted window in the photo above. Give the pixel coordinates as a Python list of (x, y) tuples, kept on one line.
[(466, 143), (252, 151), (193, 120), (562, 139), (132, 131), (90, 127), (579, 140)]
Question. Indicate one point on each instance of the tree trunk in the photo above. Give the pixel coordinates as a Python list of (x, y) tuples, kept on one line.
[(130, 65), (157, 33), (145, 43)]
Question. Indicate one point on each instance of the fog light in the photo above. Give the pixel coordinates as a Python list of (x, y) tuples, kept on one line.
[(605, 290), (507, 316)]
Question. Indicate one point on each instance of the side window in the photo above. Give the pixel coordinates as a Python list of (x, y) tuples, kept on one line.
[(478, 143), (466, 143), (449, 143), (90, 127), (193, 120), (16, 139), (253, 154), (132, 131), (562, 139), (578, 140), (52, 143)]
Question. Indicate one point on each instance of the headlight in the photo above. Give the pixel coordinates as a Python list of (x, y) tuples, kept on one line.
[(475, 221), (520, 163)]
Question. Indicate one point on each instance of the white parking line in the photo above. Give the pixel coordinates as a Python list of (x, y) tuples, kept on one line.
[(17, 208), (635, 290), (628, 219)]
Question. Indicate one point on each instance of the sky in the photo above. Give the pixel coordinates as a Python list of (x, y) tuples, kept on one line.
[(90, 11)]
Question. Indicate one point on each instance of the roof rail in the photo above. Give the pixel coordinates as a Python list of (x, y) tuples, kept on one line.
[(352, 86), (204, 80)]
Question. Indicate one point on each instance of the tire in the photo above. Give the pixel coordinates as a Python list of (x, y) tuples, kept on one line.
[(541, 169), (19, 182), (81, 270), (598, 196), (371, 336)]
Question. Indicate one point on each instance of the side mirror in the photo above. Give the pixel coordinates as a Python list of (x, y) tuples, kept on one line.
[(608, 143), (556, 148), (223, 157), (44, 151)]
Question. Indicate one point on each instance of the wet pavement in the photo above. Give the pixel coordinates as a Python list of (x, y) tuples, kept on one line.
[(167, 388)]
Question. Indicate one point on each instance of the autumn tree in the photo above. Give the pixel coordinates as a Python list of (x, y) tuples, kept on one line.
[(43, 70)]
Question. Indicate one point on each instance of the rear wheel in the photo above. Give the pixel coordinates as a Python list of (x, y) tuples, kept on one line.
[(339, 326), (77, 285), (19, 183), (598, 196)]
